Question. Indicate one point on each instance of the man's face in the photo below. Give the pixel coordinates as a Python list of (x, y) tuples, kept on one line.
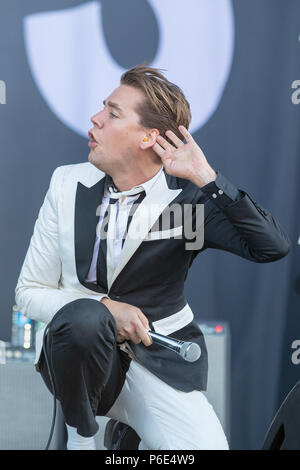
[(116, 135)]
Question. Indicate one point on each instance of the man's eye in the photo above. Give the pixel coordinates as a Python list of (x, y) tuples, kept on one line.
[(111, 114)]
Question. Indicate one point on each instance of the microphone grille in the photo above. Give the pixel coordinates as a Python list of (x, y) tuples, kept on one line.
[(190, 351)]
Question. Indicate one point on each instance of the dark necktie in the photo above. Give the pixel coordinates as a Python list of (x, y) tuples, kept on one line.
[(111, 213)]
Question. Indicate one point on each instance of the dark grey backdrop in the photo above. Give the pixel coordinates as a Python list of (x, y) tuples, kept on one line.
[(253, 138)]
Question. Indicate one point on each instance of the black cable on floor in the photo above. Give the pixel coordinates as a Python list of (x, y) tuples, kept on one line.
[(53, 388)]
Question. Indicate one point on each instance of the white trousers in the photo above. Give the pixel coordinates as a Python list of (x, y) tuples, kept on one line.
[(166, 418)]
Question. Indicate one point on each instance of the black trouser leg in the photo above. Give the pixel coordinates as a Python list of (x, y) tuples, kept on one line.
[(88, 367)]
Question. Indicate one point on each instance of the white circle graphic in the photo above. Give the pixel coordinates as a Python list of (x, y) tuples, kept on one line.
[(74, 70)]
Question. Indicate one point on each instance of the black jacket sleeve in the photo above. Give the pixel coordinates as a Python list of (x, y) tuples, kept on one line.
[(234, 222)]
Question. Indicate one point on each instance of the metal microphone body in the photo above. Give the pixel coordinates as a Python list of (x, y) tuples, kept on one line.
[(188, 351)]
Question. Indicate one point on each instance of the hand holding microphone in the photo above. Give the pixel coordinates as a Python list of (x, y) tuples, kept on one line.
[(133, 324)]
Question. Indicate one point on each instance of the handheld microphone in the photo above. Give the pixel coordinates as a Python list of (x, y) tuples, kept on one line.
[(188, 351)]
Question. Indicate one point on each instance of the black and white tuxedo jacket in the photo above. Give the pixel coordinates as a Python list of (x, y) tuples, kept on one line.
[(152, 266)]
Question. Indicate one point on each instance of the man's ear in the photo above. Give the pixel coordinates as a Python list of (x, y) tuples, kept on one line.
[(149, 139)]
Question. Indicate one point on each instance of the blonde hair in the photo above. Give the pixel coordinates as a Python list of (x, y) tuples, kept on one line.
[(165, 106)]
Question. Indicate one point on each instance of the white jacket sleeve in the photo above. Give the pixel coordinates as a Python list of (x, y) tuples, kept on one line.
[(38, 293)]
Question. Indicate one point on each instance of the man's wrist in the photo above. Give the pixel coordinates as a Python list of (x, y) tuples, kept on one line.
[(204, 176)]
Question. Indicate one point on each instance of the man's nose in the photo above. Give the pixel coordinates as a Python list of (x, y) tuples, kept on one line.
[(97, 119)]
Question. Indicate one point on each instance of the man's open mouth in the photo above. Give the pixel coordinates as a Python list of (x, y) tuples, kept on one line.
[(91, 136), (92, 142)]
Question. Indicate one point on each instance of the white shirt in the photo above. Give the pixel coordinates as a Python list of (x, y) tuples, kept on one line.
[(124, 205)]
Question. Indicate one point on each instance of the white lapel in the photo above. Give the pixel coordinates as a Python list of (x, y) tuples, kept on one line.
[(157, 199)]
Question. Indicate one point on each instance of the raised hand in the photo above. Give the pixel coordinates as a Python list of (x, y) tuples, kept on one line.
[(184, 160)]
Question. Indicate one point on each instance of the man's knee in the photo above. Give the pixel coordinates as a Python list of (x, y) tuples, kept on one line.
[(84, 321)]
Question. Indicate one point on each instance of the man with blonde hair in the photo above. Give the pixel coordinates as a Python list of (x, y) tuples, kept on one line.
[(99, 273)]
